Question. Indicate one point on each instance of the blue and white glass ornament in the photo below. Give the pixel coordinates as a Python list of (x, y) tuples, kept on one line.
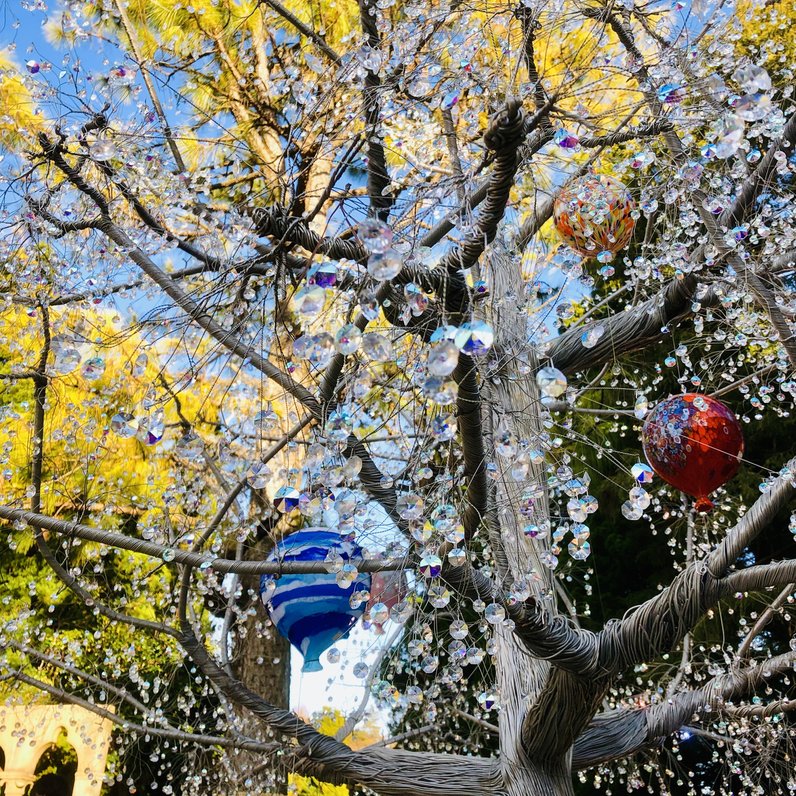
[(314, 611)]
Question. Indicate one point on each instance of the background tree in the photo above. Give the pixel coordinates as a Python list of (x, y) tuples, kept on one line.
[(397, 391)]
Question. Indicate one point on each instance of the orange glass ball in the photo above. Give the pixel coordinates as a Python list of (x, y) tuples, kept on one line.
[(593, 215)]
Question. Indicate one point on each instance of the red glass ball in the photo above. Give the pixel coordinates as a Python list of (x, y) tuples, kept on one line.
[(694, 443)]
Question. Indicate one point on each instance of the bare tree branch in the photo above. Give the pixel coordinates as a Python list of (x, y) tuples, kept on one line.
[(468, 404), (121, 693), (121, 10), (274, 222), (179, 556), (488, 726), (627, 331), (229, 339)]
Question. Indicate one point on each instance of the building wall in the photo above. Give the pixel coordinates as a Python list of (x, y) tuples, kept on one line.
[(26, 732)]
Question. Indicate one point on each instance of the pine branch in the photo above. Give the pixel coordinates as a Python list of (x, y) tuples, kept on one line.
[(305, 30)]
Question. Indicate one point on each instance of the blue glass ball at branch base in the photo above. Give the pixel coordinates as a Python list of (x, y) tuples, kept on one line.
[(313, 611)]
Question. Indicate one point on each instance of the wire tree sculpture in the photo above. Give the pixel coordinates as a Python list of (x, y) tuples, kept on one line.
[(278, 265)]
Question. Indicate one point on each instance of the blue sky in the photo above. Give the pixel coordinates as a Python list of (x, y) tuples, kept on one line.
[(21, 26)]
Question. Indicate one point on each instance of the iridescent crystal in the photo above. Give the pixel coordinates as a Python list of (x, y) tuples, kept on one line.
[(66, 359), (348, 339), (639, 497), (93, 368), (151, 426), (286, 499), (379, 613), (671, 93), (124, 425), (385, 265), (592, 336), (431, 565), (474, 338), (375, 235), (565, 139), (377, 347), (631, 512), (258, 475), (310, 300), (642, 472), (409, 506), (552, 382), (579, 548), (442, 358), (323, 274), (494, 613)]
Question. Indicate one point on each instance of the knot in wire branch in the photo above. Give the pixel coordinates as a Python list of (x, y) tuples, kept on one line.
[(48, 146), (527, 14), (504, 136), (506, 130), (275, 222), (98, 122)]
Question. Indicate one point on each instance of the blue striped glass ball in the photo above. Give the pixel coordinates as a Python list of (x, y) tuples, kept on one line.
[(313, 611)]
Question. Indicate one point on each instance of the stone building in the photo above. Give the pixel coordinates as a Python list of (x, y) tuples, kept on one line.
[(26, 733)]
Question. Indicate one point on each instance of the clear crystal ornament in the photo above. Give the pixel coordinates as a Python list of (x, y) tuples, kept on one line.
[(375, 235), (385, 265), (552, 382), (474, 338)]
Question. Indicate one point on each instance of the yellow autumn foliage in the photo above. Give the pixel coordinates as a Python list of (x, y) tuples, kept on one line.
[(19, 117), (95, 374), (329, 721), (767, 36)]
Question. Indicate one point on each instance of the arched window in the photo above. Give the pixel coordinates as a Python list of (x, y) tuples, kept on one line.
[(55, 771)]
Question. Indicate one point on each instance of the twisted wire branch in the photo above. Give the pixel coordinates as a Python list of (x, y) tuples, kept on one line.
[(661, 622), (275, 222), (546, 634), (381, 200), (626, 331), (186, 557), (503, 136)]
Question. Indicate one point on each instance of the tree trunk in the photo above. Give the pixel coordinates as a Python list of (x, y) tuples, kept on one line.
[(261, 660), (535, 781), (262, 655), (318, 180), (514, 403)]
